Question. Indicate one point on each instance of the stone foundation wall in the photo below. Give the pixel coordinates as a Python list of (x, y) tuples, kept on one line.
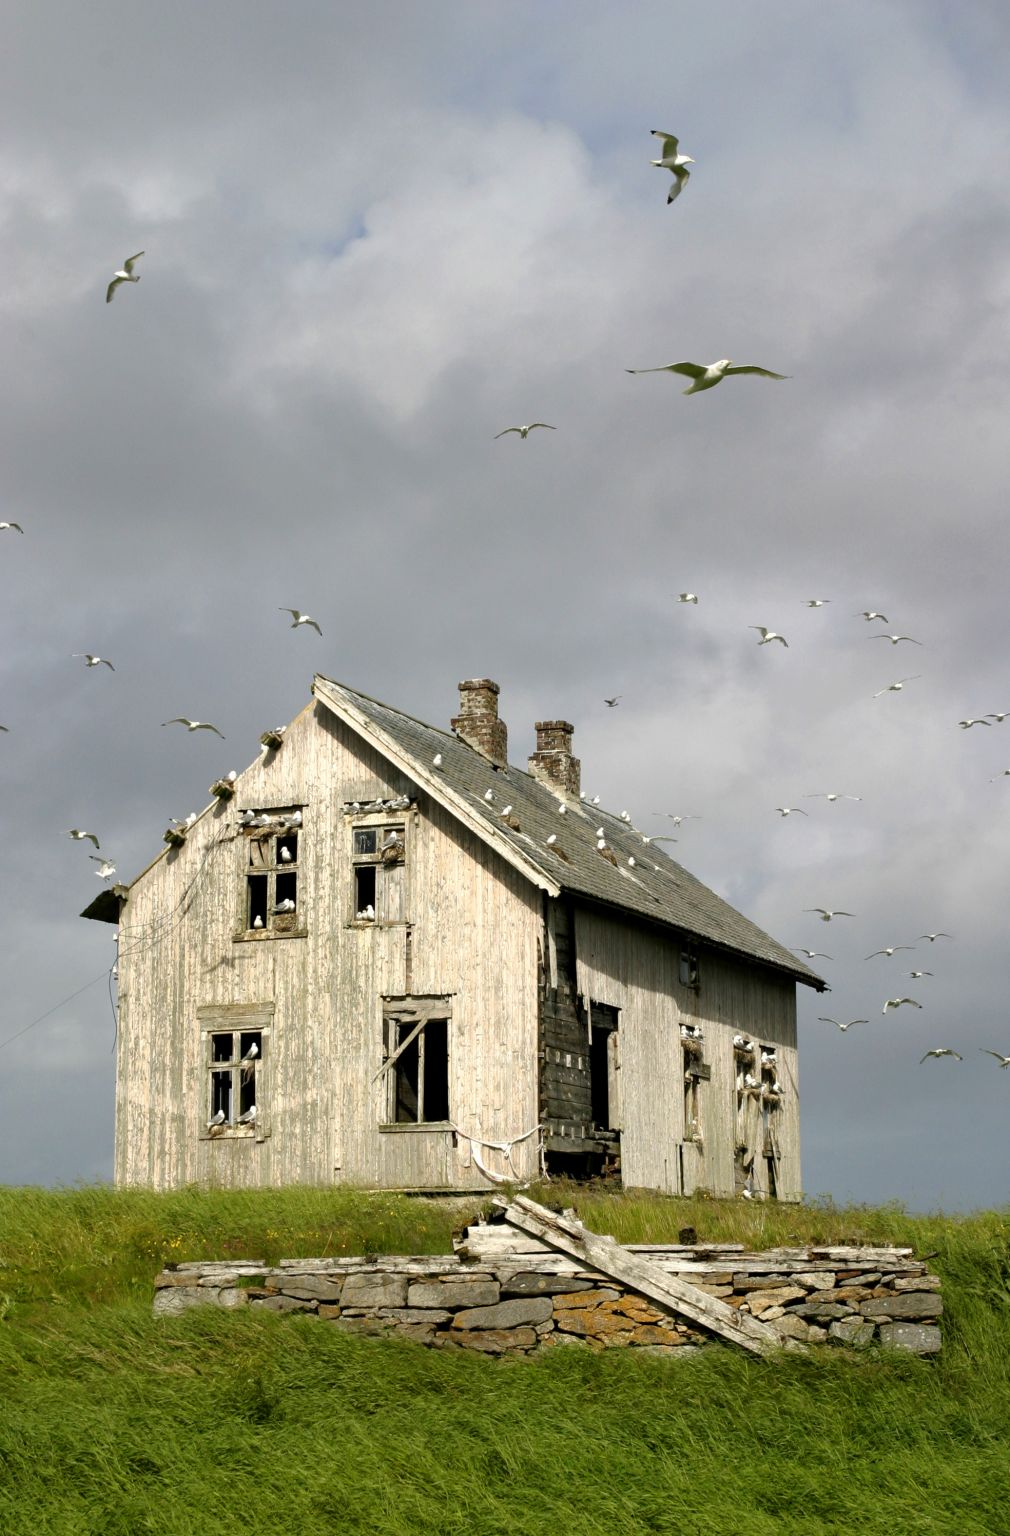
[(538, 1300)]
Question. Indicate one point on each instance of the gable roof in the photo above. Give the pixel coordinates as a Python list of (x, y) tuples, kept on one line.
[(655, 888)]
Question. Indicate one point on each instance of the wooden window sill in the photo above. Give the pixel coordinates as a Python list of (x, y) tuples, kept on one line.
[(258, 935), (398, 1126)]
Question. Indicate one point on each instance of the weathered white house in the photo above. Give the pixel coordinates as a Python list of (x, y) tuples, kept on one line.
[(384, 955)]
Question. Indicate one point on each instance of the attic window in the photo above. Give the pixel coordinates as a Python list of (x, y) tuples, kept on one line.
[(271, 881), (378, 864), (690, 975)]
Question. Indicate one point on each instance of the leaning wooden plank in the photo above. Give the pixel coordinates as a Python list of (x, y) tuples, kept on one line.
[(642, 1276)]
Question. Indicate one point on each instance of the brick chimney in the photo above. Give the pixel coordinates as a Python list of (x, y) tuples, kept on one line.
[(477, 722), (552, 763)]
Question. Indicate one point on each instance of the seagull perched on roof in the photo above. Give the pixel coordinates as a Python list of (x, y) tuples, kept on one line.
[(1004, 1061), (827, 913), (524, 432), (893, 950), (767, 635), (194, 725), (79, 836), (897, 687), (436, 761), (896, 1002), (92, 661), (941, 1050), (672, 160), (125, 274), (297, 618), (6, 527), (708, 375), (894, 639)]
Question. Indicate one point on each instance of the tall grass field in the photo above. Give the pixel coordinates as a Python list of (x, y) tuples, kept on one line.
[(115, 1423)]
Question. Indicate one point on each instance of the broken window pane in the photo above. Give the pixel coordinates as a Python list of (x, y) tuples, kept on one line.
[(364, 840), (435, 1104)]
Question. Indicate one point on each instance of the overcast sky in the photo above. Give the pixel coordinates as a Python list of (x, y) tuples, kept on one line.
[(374, 237)]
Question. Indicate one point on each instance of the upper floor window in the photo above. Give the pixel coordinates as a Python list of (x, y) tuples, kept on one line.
[(235, 1052), (378, 861), (272, 884), (690, 975)]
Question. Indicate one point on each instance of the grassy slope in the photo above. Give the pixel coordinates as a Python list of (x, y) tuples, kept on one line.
[(214, 1423)]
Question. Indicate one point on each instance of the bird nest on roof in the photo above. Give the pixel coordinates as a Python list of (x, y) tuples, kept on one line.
[(223, 789), (175, 836), (273, 739)]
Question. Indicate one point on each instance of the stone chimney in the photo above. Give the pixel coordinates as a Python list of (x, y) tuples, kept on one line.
[(552, 763), (477, 722)]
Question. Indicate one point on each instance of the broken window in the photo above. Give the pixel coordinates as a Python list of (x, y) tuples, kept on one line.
[(416, 1062), (695, 1073), (748, 1112), (771, 1112), (236, 1057), (272, 885), (689, 973), (378, 858)]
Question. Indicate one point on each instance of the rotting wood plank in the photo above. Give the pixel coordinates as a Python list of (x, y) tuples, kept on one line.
[(643, 1276)]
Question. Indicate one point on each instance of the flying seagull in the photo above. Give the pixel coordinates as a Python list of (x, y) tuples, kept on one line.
[(125, 275), (889, 952), (916, 974), (868, 614), (677, 820), (832, 797), (849, 1025), (896, 1002), (812, 954), (708, 375), (687, 597), (79, 836), (816, 602), (932, 937), (6, 527), (297, 617), (894, 639), (827, 913), (941, 1050), (994, 714), (106, 869), (1004, 773), (524, 432), (1004, 1061), (791, 810), (672, 160), (767, 635), (92, 661), (658, 839), (612, 703), (897, 687), (967, 724), (194, 725)]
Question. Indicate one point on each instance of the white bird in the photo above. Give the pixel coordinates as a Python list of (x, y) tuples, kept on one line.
[(916, 974), (827, 913), (767, 635), (631, 860), (524, 432), (839, 1025), (625, 816), (91, 661), (932, 937), (791, 810), (1004, 1061), (897, 687), (217, 1119), (79, 836), (489, 794), (285, 855), (436, 761), (1004, 773), (125, 274), (889, 952), (677, 820), (659, 839), (868, 614), (257, 922), (816, 602), (562, 808), (832, 797), (812, 954), (297, 617), (994, 714), (672, 160), (552, 840), (194, 725), (294, 820), (967, 724), (287, 905), (894, 639), (687, 597), (247, 1060), (106, 868), (896, 1002), (612, 703), (941, 1050), (6, 527), (708, 375), (249, 1118)]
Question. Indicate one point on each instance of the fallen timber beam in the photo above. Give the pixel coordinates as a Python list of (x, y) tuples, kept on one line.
[(568, 1235)]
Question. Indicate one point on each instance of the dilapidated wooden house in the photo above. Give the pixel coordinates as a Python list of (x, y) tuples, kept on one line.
[(386, 956)]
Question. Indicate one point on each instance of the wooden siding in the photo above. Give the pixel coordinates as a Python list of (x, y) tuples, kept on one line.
[(471, 933), (637, 969)]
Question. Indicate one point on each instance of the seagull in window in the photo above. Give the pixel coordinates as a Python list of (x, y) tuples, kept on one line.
[(106, 869), (215, 1120), (125, 274), (708, 375), (827, 913), (194, 725), (287, 905), (524, 432), (79, 836), (839, 1025), (297, 618), (285, 855), (92, 661), (673, 161), (897, 687), (896, 1002), (767, 635), (6, 527), (941, 1050), (249, 1118)]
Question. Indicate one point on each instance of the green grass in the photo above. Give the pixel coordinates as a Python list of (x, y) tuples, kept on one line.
[(113, 1422)]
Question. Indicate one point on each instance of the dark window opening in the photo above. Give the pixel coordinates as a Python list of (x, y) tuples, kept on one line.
[(599, 1074), (364, 890), (689, 971), (287, 887), (420, 1072), (436, 1069), (406, 1070), (258, 899), (287, 849), (272, 884), (220, 1097)]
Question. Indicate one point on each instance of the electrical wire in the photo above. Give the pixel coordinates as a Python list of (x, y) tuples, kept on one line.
[(56, 1006)]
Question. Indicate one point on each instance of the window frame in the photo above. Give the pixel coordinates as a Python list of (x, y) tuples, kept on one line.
[(277, 925), (382, 823), (412, 1014), (235, 1019)]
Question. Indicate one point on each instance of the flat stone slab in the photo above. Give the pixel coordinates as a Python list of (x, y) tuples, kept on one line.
[(452, 1293), (530, 1284), (918, 1338), (904, 1304), (852, 1330), (312, 1287), (507, 1314), (493, 1341), (172, 1300), (369, 1292)]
